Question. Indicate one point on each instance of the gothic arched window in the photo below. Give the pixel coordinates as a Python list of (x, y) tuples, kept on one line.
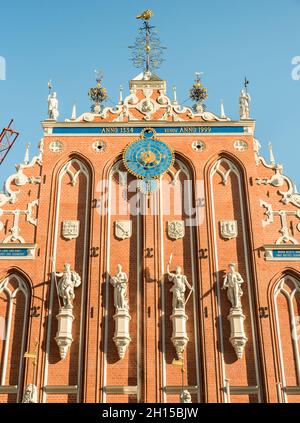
[(14, 306), (287, 319)]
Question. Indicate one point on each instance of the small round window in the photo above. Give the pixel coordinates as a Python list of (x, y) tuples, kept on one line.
[(99, 146), (198, 145)]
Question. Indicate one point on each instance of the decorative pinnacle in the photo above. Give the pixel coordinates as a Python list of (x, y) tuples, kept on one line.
[(174, 94), (74, 113), (147, 50), (26, 158), (223, 115), (198, 93), (198, 76), (272, 157), (98, 75), (97, 94), (121, 95)]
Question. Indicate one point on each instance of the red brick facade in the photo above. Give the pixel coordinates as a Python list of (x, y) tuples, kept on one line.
[(220, 180)]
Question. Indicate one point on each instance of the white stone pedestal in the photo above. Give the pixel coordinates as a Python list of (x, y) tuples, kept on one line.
[(121, 336), (64, 337), (179, 335), (238, 337)]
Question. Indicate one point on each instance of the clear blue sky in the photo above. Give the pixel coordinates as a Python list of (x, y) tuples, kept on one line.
[(65, 40)]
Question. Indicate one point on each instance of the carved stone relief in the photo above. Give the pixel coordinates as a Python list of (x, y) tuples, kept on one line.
[(228, 229), (56, 146), (70, 229), (284, 230), (240, 145), (176, 229), (15, 229), (123, 229), (30, 394)]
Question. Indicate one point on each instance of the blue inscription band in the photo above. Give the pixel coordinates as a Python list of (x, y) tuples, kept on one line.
[(13, 252), (159, 130), (286, 254)]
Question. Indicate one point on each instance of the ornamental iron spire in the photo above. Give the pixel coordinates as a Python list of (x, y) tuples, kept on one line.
[(97, 94), (198, 93), (147, 51)]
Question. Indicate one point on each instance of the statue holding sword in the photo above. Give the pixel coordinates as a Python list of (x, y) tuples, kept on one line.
[(178, 289)]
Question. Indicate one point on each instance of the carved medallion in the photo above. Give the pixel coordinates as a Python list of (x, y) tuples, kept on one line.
[(70, 229), (240, 145), (198, 145), (99, 146), (176, 229), (56, 146), (123, 229), (228, 229)]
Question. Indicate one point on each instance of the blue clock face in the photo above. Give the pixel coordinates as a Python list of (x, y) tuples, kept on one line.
[(148, 158)]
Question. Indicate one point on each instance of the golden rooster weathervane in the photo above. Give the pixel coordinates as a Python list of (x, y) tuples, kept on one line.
[(146, 15)]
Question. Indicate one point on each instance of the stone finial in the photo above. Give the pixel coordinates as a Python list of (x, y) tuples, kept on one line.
[(121, 95), (174, 95), (26, 157), (74, 112), (223, 115), (272, 157)]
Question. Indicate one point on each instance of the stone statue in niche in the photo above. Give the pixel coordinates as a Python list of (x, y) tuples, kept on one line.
[(232, 282), (178, 289), (69, 280), (185, 397), (179, 317), (53, 112), (119, 282), (122, 318), (30, 394), (244, 105)]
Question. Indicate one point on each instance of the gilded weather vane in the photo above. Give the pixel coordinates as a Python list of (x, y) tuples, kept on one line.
[(147, 51)]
